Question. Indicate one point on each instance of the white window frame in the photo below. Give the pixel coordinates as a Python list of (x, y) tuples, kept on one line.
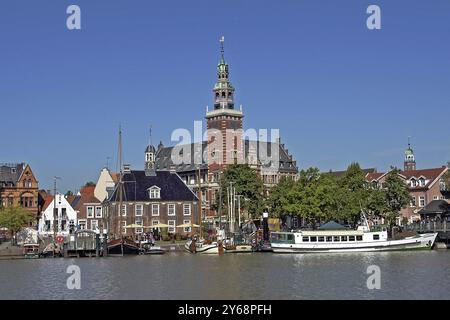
[(124, 230), (82, 222), (154, 192), (155, 222), (435, 197), (92, 211), (140, 222), (94, 221), (141, 206), (101, 211), (413, 201), (187, 229), (169, 205), (155, 205), (172, 226), (123, 210), (186, 205), (422, 201)]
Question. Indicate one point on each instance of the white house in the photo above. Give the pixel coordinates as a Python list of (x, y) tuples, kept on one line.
[(66, 216)]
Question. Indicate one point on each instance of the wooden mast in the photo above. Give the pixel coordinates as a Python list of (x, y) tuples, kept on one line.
[(199, 202)]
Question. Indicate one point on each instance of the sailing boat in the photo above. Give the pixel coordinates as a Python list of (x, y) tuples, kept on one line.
[(121, 246)]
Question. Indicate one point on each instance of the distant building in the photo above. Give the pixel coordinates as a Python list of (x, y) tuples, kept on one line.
[(105, 184), (424, 185), (89, 210), (66, 216), (150, 197), (19, 187)]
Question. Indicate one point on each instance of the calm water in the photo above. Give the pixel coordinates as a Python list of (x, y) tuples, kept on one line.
[(404, 275)]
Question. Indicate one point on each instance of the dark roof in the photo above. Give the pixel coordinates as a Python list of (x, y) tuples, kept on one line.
[(150, 148), (435, 207), (331, 225), (163, 159), (136, 185), (10, 173)]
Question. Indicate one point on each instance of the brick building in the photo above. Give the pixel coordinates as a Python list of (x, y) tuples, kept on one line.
[(19, 187)]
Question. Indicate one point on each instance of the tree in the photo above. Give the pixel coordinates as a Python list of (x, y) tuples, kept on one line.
[(397, 195), (247, 183), (277, 197), (15, 218), (89, 184), (69, 193)]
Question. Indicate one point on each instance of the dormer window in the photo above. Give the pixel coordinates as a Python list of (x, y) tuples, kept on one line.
[(154, 192), (422, 182), (413, 182)]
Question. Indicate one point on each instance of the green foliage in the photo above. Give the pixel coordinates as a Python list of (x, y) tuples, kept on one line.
[(15, 218), (278, 197), (89, 184), (396, 195), (247, 183), (69, 193)]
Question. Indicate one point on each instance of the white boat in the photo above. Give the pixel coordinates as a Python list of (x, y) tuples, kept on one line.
[(201, 247), (239, 248), (358, 240)]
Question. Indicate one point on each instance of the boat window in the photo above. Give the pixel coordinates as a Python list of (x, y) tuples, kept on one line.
[(329, 239), (376, 237), (290, 237), (321, 239), (313, 239), (358, 238), (351, 238), (336, 238), (343, 238), (305, 239)]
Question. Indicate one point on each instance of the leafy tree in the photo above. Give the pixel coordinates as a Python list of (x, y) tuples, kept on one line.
[(277, 197), (89, 184), (69, 193), (15, 218), (397, 195), (247, 183)]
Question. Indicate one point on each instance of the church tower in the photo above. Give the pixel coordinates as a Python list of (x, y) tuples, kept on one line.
[(224, 122), (410, 162)]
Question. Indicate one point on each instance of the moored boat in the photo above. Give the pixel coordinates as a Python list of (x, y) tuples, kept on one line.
[(120, 247), (359, 240), (31, 250), (202, 247)]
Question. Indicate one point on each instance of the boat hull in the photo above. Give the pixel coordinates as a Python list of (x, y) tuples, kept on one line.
[(120, 248), (421, 242), (239, 249), (203, 249)]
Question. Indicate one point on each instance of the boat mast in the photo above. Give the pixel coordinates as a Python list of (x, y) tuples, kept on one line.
[(199, 202), (120, 181)]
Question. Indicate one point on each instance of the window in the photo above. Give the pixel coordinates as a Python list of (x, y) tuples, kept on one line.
[(413, 202), (98, 212), (155, 222), (359, 238), (188, 229), (343, 238), (171, 224), (305, 239), (376, 237), (155, 193), (329, 239), (351, 238), (321, 239), (82, 224), (94, 224), (435, 197), (124, 230), (413, 182), (313, 239), (422, 201), (186, 209), (124, 210), (138, 221), (171, 209), (422, 182), (155, 209), (47, 225), (336, 238), (90, 212), (138, 210)]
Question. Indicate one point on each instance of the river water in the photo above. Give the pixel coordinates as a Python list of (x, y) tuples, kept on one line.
[(404, 275)]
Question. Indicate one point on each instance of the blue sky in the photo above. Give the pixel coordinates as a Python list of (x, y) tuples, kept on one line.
[(337, 91)]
